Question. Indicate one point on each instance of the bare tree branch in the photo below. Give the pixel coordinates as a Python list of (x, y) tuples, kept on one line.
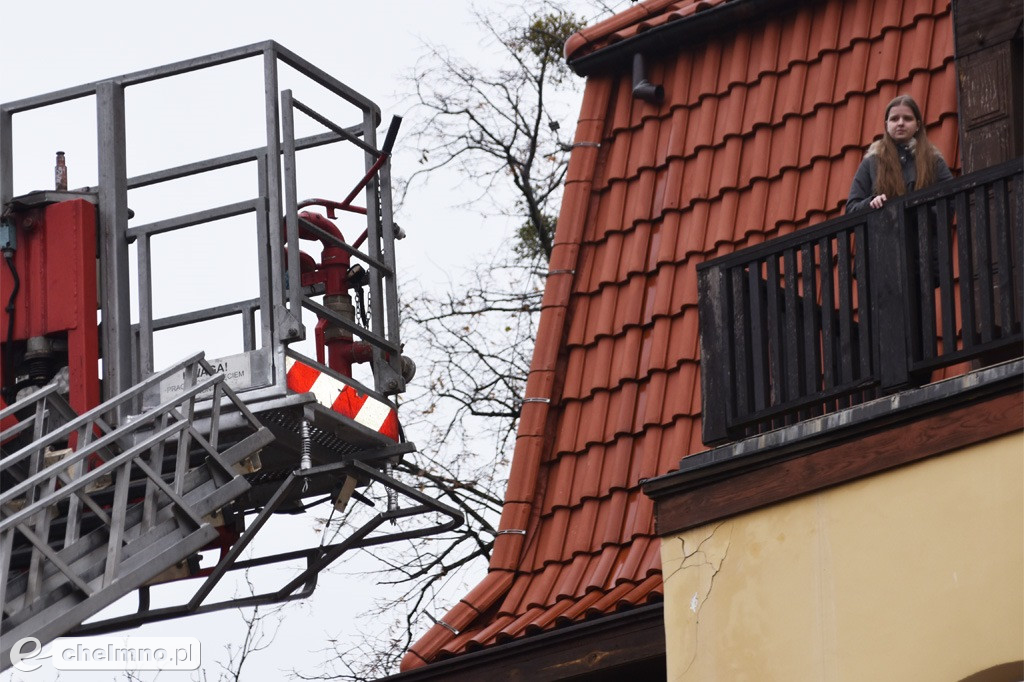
[(262, 624), (502, 126), (505, 130)]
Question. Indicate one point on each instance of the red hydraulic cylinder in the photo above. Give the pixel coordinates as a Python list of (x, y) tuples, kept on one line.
[(55, 260)]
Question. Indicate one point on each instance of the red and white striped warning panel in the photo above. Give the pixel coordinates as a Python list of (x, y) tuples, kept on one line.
[(342, 398)]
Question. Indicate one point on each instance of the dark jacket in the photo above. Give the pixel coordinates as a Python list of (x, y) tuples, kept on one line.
[(862, 191)]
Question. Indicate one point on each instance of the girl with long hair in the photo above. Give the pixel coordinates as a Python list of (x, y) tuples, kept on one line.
[(901, 161)]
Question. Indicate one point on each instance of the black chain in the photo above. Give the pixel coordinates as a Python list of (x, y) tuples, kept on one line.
[(361, 307)]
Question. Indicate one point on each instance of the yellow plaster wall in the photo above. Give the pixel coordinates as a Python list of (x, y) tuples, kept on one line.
[(912, 574)]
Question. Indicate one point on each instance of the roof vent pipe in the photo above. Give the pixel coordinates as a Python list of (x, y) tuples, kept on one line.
[(642, 88)]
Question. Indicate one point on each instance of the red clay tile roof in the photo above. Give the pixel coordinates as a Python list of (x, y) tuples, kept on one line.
[(760, 134), (641, 17)]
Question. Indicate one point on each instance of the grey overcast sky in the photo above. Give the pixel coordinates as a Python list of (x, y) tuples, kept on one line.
[(370, 46)]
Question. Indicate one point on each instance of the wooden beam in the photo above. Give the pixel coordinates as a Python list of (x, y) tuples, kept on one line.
[(979, 24), (990, 69)]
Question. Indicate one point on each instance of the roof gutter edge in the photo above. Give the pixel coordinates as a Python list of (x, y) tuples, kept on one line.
[(671, 35), (468, 666)]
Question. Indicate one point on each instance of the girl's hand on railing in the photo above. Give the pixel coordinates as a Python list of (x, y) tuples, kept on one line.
[(877, 201)]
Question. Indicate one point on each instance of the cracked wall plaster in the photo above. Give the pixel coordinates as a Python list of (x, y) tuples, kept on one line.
[(910, 574), (697, 556)]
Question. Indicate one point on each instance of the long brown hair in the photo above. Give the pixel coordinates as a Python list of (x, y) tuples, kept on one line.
[(889, 178)]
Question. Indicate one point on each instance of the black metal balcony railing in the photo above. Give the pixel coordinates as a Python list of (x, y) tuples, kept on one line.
[(862, 305)]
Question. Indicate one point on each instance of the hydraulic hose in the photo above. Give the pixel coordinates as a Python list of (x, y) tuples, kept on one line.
[(9, 257)]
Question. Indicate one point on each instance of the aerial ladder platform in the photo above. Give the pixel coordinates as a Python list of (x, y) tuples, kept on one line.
[(124, 466)]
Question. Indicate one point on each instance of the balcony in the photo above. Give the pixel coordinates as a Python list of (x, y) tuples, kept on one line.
[(863, 306)]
